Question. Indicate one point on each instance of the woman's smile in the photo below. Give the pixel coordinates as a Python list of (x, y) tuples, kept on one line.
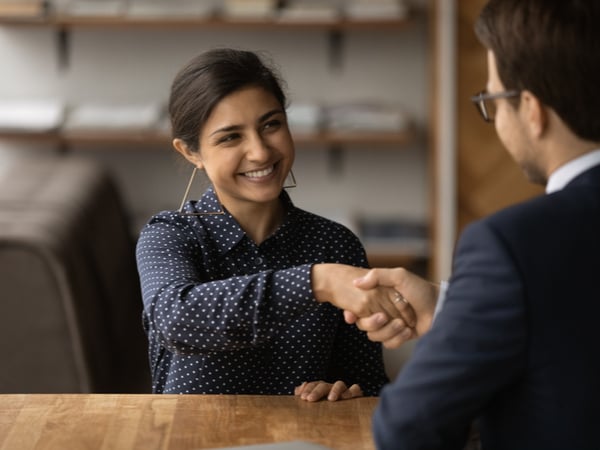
[(256, 174)]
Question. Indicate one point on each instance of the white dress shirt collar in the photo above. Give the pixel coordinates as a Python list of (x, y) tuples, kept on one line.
[(558, 180), (565, 173)]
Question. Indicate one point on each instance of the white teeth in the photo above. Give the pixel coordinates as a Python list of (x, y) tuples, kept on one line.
[(259, 173)]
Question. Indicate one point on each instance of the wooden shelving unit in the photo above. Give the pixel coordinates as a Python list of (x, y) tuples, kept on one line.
[(144, 140)]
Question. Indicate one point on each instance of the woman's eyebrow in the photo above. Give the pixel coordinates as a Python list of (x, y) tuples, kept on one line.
[(226, 129), (238, 127), (269, 114)]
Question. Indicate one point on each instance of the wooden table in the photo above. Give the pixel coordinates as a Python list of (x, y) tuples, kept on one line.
[(178, 422)]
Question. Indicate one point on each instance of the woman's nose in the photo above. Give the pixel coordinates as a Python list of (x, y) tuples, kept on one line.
[(258, 148)]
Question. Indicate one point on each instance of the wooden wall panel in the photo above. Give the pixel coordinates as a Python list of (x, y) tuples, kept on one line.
[(433, 135), (488, 179)]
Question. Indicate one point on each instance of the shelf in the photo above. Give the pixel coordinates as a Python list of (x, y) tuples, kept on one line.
[(63, 24), (99, 138), (157, 138), (29, 136), (212, 23)]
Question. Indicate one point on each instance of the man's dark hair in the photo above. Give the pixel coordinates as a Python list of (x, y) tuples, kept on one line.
[(552, 49)]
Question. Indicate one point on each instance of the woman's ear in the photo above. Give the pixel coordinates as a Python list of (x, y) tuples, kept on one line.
[(191, 156), (535, 114)]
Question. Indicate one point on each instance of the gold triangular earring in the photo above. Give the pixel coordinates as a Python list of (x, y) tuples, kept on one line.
[(293, 183), (185, 196)]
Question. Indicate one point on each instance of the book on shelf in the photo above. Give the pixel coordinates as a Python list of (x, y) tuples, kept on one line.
[(366, 117), (175, 9), (31, 116), (94, 8), (305, 117), (114, 117), (23, 9), (311, 117), (394, 236), (248, 9), (376, 9), (309, 11)]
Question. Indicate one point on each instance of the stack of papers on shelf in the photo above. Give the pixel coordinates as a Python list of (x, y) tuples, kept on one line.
[(175, 9), (31, 116), (249, 9), (98, 117), (376, 9), (307, 10), (94, 8), (394, 235), (305, 117), (366, 117), (23, 9)]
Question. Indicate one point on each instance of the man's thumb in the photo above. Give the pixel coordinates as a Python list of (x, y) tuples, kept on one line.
[(368, 281)]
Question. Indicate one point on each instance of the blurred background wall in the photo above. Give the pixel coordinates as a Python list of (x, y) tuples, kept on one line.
[(124, 65), (450, 171)]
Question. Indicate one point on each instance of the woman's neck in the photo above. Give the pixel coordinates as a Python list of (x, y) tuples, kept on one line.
[(259, 220)]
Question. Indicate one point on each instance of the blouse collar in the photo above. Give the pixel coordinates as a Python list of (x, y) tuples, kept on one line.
[(224, 228)]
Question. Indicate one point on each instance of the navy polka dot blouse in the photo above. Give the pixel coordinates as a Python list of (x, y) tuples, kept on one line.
[(226, 316)]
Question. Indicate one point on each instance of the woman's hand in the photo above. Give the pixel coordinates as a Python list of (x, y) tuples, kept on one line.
[(316, 390), (334, 283)]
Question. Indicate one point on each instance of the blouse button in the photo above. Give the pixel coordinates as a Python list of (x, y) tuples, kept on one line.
[(258, 261)]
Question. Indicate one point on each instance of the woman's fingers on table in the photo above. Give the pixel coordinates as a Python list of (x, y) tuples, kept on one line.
[(317, 390), (352, 392)]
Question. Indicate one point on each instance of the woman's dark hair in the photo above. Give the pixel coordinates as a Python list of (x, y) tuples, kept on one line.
[(207, 79), (552, 49)]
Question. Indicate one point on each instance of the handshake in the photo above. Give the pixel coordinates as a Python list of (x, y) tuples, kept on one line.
[(391, 305)]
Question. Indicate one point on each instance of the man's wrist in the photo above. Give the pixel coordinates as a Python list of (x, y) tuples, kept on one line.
[(442, 288)]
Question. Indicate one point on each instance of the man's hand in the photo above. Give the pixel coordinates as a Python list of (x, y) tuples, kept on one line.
[(334, 283), (391, 333), (420, 295)]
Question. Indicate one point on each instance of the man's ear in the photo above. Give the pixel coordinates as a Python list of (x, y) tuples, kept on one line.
[(191, 156), (534, 112)]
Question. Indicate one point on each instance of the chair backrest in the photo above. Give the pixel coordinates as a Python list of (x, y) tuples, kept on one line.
[(69, 289)]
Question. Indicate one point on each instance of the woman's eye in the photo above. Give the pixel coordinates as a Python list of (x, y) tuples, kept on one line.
[(272, 125), (228, 138)]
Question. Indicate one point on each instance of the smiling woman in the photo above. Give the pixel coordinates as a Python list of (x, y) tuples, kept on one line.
[(247, 154), (229, 305)]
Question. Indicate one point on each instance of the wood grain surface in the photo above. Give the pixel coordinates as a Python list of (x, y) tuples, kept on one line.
[(179, 422)]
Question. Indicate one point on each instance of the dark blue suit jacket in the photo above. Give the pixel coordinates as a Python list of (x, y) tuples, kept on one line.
[(517, 343)]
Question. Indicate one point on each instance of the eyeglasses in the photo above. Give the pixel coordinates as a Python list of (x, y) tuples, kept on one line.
[(487, 108)]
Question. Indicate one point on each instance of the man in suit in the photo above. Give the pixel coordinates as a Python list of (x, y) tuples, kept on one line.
[(514, 346)]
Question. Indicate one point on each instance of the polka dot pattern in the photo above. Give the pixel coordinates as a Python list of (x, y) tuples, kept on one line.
[(226, 316)]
